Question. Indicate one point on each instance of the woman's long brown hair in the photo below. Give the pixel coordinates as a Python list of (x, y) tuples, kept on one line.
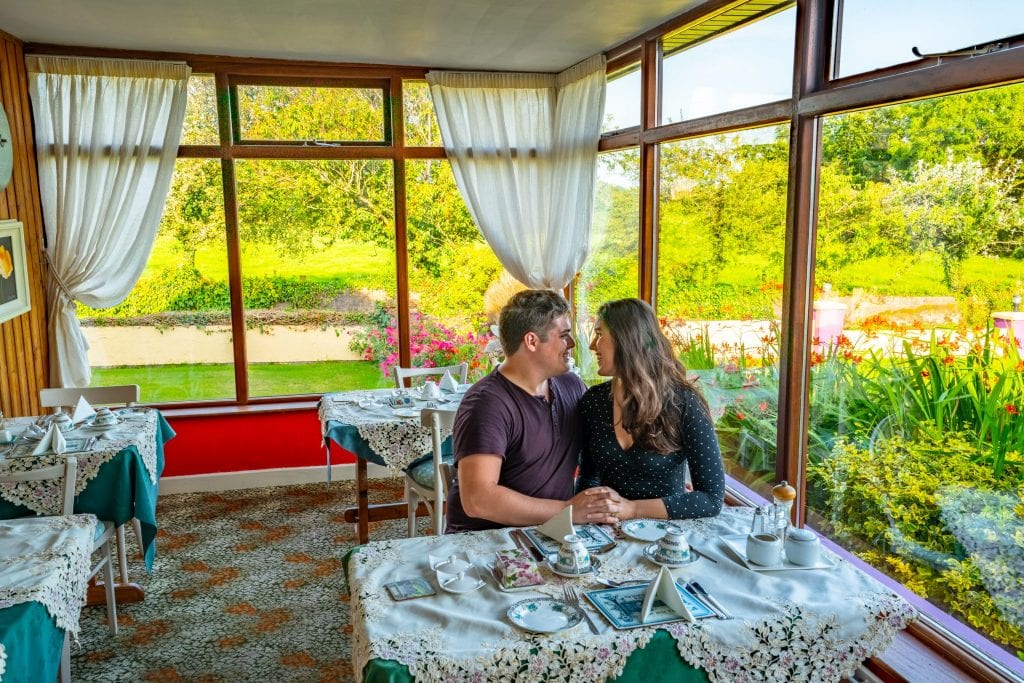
[(649, 374)]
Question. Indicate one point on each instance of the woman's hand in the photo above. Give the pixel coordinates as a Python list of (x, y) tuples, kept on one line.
[(601, 505)]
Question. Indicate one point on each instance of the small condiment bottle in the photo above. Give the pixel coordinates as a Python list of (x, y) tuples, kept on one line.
[(783, 495), (758, 526)]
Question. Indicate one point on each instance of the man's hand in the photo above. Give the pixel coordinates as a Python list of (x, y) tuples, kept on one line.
[(601, 505)]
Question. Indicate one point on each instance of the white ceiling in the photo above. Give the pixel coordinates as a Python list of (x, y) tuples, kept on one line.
[(507, 35)]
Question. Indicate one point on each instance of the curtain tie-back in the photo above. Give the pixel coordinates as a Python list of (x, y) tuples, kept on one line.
[(61, 287)]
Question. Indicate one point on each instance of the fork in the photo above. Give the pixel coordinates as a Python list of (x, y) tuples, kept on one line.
[(573, 598)]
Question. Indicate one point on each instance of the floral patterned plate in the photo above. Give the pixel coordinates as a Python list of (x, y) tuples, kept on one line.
[(651, 553), (645, 529), (544, 615)]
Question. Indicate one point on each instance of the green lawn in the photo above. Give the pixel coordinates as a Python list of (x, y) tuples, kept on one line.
[(166, 383)]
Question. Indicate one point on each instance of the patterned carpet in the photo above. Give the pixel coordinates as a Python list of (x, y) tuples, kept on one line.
[(247, 586)]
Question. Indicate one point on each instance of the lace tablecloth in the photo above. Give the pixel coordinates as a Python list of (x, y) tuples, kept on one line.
[(46, 560), (398, 441), (137, 428), (808, 625)]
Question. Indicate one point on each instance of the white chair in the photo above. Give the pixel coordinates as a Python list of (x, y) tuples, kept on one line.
[(459, 372), (430, 479), (101, 539), (117, 395)]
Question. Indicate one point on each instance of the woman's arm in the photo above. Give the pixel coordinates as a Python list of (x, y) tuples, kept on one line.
[(700, 443), (589, 475)]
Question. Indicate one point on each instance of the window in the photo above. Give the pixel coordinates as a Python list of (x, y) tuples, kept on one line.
[(916, 432), (720, 263), (455, 280), (877, 33), (421, 129), (318, 258), (200, 126), (622, 99), (610, 271), (172, 334), (311, 114), (702, 78)]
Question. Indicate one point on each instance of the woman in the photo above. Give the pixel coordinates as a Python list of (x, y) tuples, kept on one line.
[(642, 429)]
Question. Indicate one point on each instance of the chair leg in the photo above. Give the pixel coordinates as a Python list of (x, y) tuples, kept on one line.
[(65, 659), (109, 588), (122, 555), (412, 498), (137, 526)]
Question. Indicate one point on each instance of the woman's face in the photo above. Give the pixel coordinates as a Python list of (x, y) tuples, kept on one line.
[(603, 347)]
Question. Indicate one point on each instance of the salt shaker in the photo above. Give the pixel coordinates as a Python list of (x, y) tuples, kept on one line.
[(758, 526)]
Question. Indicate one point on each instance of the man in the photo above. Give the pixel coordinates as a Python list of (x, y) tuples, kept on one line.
[(516, 442)]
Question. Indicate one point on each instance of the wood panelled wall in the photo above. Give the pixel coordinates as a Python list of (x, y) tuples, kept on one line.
[(23, 342)]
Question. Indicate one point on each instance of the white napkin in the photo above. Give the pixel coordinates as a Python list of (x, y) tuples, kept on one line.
[(448, 382), (559, 526), (82, 410), (663, 588), (53, 441)]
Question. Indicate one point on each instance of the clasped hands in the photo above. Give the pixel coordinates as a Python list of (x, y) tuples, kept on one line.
[(601, 505)]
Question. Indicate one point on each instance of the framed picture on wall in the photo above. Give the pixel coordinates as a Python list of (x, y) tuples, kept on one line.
[(13, 271)]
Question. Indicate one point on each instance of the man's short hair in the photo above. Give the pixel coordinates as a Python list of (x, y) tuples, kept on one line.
[(532, 310)]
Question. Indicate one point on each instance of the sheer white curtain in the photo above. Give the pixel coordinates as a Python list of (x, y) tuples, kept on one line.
[(523, 149), (107, 134)]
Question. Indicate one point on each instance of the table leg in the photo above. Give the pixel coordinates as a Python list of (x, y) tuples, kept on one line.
[(362, 501)]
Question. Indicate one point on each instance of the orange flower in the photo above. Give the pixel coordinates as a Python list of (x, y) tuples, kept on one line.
[(1012, 409), (948, 360), (6, 263), (926, 374)]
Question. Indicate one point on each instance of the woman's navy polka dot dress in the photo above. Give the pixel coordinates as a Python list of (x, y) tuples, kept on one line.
[(640, 475)]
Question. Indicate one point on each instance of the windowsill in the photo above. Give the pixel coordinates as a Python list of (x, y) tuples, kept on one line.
[(171, 410)]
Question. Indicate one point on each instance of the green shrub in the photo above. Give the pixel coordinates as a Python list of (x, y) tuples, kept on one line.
[(887, 504)]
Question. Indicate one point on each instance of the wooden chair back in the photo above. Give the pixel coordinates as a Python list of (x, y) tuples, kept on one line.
[(460, 372), (58, 399)]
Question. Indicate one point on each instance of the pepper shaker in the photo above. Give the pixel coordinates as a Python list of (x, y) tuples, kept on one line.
[(783, 494)]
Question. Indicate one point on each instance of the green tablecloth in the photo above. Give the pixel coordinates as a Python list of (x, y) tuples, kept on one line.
[(659, 661), (32, 642), (121, 490)]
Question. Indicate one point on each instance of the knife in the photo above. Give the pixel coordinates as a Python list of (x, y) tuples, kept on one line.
[(528, 545), (724, 613), (700, 553)]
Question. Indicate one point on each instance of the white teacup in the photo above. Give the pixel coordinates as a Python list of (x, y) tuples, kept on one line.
[(63, 422), (764, 549), (430, 389), (6, 436), (573, 556), (104, 417), (802, 547), (673, 548)]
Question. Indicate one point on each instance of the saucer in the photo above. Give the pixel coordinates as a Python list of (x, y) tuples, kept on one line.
[(91, 424), (595, 565), (544, 615), (645, 529), (406, 412), (651, 553)]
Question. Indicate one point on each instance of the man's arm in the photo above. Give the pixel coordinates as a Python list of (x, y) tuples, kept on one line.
[(483, 497)]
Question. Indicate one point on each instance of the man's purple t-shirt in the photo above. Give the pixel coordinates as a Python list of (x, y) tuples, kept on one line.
[(537, 440)]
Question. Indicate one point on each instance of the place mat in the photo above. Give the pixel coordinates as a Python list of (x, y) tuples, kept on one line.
[(592, 535), (622, 607)]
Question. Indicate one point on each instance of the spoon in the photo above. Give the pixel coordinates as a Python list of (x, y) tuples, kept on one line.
[(612, 583)]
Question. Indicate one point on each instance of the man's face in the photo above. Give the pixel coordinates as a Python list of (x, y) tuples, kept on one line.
[(554, 353)]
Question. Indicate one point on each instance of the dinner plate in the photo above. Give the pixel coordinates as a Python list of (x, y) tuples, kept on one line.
[(406, 412), (651, 553), (544, 615), (645, 529), (595, 565)]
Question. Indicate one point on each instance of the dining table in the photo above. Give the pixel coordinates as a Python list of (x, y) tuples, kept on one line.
[(44, 574), (783, 624), (119, 468), (366, 424)]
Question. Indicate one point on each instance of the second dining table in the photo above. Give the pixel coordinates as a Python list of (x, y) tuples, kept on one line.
[(366, 425), (119, 469)]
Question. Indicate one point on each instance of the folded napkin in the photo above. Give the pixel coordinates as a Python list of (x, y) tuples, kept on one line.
[(53, 441), (559, 526), (663, 588), (82, 410), (448, 382)]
